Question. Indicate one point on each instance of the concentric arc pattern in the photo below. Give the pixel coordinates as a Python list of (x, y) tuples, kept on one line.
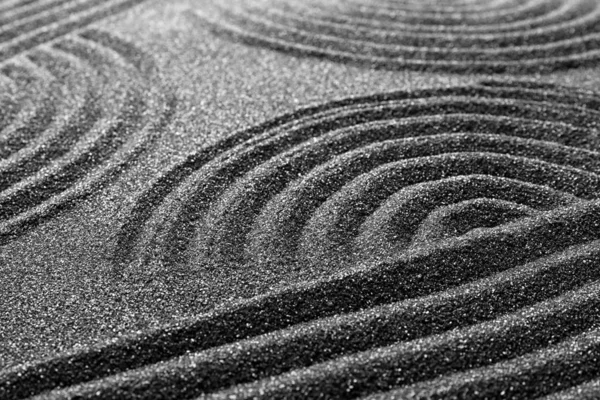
[(471, 36), (69, 123), (27, 24), (451, 237)]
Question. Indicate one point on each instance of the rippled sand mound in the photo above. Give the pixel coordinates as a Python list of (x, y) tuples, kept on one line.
[(363, 179), (438, 238), (455, 231), (71, 122)]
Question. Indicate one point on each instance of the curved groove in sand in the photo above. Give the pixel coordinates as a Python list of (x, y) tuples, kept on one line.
[(475, 287), (90, 127), (497, 37), (412, 321), (32, 23), (534, 375), (309, 182), (469, 226)]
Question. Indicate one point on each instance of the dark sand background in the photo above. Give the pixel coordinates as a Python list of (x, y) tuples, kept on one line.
[(60, 288), (57, 290)]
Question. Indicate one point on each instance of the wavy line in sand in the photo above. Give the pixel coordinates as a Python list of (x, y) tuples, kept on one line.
[(353, 181), (26, 25), (455, 306), (497, 37), (77, 126), (472, 221)]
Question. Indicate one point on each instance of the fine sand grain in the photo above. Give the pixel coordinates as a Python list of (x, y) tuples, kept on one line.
[(489, 36), (278, 199)]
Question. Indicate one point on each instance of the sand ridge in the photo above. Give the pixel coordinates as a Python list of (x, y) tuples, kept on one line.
[(294, 192), (31, 23), (387, 324), (69, 138), (439, 242), (502, 36), (443, 301)]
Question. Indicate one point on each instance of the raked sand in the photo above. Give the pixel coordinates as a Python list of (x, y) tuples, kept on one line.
[(287, 199)]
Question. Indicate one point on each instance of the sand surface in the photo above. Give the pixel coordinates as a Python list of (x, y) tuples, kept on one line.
[(299, 199)]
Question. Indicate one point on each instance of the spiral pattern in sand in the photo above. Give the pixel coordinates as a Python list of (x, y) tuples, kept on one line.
[(460, 36), (455, 235), (72, 122)]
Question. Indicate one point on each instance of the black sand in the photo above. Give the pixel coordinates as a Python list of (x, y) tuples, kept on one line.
[(285, 199)]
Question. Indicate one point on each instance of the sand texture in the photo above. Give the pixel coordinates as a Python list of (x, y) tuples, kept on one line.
[(286, 199)]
